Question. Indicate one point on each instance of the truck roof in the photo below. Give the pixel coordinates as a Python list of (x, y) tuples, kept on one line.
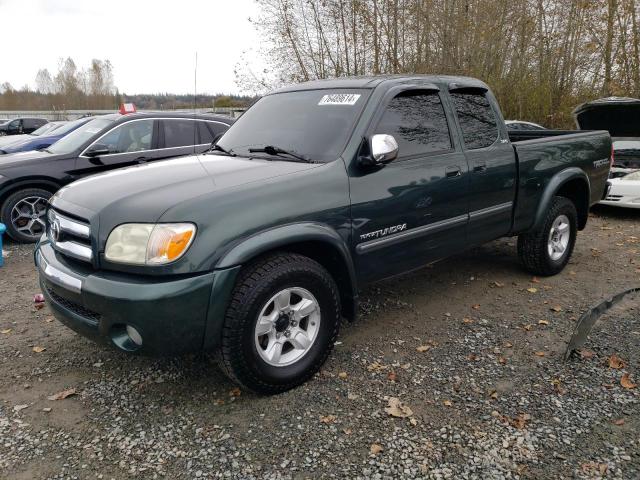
[(388, 81)]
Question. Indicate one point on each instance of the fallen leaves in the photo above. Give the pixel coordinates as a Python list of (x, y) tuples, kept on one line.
[(557, 385), (62, 395), (615, 362), (39, 349), (328, 418), (586, 354), (375, 449), (543, 322), (594, 467), (497, 284), (539, 354), (376, 367), (17, 408), (476, 306), (556, 308), (396, 408), (626, 382), (532, 290), (392, 376), (235, 392), (447, 403), (6, 331), (519, 422), (619, 422), (423, 348), (342, 375)]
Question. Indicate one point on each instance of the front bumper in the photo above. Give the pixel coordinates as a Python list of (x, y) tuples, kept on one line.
[(623, 194), (172, 316)]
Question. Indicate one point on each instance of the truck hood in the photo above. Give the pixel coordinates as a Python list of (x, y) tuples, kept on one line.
[(620, 116), (142, 193)]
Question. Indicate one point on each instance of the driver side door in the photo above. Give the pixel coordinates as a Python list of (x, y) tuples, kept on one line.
[(129, 143), (414, 209)]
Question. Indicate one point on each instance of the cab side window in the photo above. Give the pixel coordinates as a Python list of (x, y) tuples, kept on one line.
[(417, 121), (179, 133), (476, 118), (130, 137)]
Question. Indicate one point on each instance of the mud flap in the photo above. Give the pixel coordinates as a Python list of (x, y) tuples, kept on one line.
[(589, 318)]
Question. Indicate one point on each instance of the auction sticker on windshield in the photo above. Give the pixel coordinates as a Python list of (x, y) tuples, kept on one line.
[(339, 99)]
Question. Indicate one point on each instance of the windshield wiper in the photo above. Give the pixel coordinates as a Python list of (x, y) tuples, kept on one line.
[(272, 150), (217, 148)]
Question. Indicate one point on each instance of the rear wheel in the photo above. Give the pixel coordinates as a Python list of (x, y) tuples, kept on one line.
[(23, 213), (281, 323), (546, 250)]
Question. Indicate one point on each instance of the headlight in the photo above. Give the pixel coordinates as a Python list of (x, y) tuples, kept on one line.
[(149, 244)]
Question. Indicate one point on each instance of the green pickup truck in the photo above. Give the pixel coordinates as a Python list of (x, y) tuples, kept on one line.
[(256, 250)]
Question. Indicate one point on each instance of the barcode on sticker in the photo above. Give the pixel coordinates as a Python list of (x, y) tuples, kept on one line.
[(339, 99)]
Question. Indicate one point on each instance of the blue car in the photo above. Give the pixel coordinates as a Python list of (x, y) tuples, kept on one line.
[(40, 141)]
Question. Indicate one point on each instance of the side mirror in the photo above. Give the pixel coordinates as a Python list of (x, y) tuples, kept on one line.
[(97, 149), (384, 148)]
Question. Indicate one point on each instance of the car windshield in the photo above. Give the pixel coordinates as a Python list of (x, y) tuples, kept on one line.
[(67, 127), (47, 127), (78, 137), (314, 124)]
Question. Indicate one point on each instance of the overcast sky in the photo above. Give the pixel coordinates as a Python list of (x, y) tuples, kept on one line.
[(151, 43)]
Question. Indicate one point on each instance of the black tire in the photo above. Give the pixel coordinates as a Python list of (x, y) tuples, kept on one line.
[(13, 226), (238, 356), (533, 249)]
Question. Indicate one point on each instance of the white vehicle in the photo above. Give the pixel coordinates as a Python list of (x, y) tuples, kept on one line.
[(625, 188)]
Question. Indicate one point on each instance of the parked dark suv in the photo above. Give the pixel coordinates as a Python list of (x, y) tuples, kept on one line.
[(18, 126), (28, 179)]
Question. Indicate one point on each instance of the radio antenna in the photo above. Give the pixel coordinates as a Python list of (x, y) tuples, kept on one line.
[(195, 101)]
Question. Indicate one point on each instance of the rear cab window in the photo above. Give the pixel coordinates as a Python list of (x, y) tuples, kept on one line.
[(476, 118), (417, 121)]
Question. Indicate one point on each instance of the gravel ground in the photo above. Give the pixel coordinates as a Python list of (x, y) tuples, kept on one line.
[(454, 371)]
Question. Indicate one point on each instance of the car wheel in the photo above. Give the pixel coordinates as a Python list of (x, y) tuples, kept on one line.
[(281, 323), (547, 250), (2, 134), (23, 213)]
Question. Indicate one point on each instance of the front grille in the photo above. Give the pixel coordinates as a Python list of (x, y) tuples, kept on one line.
[(74, 307), (68, 236)]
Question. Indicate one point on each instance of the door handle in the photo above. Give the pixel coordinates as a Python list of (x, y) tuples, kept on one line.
[(452, 172), (480, 168)]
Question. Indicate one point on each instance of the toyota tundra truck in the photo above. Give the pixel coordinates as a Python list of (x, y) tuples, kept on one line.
[(256, 250)]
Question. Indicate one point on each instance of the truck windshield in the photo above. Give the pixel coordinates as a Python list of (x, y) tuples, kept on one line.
[(315, 124), (78, 137)]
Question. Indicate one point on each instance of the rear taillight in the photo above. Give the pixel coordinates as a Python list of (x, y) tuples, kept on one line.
[(611, 163)]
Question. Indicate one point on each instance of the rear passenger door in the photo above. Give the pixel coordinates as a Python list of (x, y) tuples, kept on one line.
[(414, 209), (184, 136), (492, 163)]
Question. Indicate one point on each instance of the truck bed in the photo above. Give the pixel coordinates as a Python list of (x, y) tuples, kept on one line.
[(543, 153)]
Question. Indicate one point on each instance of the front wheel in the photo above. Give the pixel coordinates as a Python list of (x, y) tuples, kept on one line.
[(546, 250), (281, 323), (23, 213)]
